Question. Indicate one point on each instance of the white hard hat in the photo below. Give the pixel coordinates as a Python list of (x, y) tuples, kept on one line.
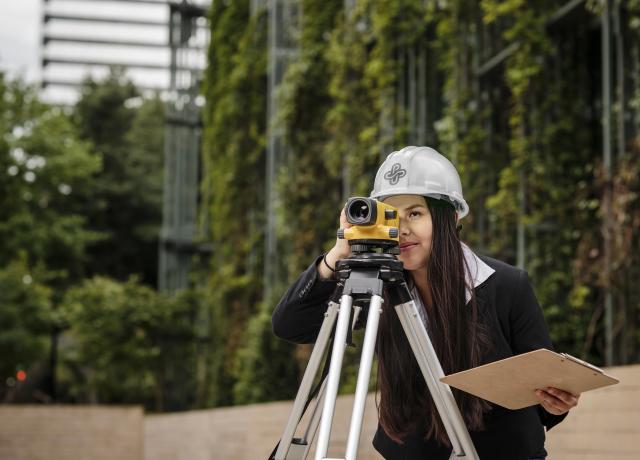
[(420, 171)]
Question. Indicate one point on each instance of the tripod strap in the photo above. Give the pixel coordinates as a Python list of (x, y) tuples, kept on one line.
[(314, 392)]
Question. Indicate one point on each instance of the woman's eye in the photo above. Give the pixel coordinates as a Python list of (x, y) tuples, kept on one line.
[(413, 214)]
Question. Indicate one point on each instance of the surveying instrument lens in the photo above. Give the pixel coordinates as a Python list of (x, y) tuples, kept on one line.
[(360, 212)]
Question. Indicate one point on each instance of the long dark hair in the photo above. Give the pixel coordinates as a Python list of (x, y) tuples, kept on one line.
[(457, 334)]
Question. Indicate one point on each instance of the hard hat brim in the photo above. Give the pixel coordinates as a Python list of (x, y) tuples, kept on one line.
[(461, 206)]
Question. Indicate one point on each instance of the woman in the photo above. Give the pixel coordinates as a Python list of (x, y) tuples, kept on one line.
[(476, 310)]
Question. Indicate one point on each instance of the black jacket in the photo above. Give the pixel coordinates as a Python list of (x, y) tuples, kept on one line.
[(509, 307)]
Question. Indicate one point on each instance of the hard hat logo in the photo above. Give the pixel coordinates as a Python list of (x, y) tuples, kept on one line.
[(395, 174)]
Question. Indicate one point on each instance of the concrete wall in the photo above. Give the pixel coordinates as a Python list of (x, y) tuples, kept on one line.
[(71, 433)]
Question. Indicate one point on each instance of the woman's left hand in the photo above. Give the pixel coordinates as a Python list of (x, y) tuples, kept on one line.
[(556, 401)]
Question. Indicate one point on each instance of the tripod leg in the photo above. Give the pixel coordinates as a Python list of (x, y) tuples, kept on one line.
[(314, 421), (307, 381), (432, 370), (333, 379), (364, 373)]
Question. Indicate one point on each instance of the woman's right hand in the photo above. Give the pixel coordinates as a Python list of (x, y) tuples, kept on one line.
[(340, 250)]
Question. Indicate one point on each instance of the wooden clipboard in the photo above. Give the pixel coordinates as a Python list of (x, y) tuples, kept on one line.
[(512, 382)]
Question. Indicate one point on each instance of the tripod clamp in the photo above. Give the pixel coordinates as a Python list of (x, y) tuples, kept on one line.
[(362, 279)]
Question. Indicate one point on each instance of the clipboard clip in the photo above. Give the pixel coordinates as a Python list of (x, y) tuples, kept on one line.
[(584, 363)]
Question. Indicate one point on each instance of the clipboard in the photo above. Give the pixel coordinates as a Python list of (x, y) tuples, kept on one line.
[(512, 382)]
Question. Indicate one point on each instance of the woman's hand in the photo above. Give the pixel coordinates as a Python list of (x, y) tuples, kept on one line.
[(556, 401), (340, 250)]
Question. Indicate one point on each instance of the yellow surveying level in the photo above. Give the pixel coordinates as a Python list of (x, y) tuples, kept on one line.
[(372, 221)]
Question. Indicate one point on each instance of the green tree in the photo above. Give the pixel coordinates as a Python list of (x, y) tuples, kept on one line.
[(25, 315), (129, 344), (126, 204), (44, 166)]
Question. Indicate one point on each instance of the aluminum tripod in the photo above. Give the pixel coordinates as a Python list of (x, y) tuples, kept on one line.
[(362, 277)]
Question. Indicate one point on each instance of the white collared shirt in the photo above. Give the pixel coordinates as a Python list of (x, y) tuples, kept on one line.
[(479, 273)]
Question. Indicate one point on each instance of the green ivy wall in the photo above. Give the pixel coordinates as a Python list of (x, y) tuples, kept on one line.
[(526, 137)]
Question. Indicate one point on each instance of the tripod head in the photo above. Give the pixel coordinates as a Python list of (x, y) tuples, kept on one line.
[(359, 247), (370, 266)]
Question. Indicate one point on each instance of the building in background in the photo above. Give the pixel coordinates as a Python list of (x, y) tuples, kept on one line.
[(161, 45)]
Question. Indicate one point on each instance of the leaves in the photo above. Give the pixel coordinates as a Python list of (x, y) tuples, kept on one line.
[(128, 344), (125, 202), (25, 315), (44, 165), (80, 190), (520, 136), (57, 196)]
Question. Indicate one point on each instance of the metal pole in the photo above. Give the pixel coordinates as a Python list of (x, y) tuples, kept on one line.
[(623, 356), (270, 246), (521, 234), (606, 153), (441, 394), (333, 379), (364, 374), (620, 83), (307, 381)]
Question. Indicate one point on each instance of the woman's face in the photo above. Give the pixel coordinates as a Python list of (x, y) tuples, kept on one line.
[(416, 230)]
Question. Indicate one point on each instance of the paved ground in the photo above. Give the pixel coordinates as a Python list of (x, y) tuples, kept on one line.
[(605, 425)]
